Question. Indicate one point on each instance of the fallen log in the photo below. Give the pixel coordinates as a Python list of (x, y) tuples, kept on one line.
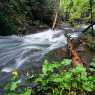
[(76, 59), (88, 27)]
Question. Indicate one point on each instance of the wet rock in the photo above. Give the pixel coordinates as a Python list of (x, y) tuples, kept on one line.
[(57, 55)]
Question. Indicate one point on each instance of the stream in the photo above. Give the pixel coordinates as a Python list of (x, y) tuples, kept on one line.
[(26, 53)]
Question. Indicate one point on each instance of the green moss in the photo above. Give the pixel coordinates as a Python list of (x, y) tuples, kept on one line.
[(90, 41)]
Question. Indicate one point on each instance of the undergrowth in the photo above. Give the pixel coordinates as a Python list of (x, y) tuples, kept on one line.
[(57, 78)]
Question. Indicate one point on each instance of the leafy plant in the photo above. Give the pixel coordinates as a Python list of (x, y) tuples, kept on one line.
[(57, 78), (14, 84), (68, 80)]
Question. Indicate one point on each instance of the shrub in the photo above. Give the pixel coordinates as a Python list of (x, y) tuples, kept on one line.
[(59, 78)]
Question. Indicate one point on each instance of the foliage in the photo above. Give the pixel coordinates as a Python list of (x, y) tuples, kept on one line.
[(14, 84), (76, 9), (89, 40), (17, 15), (58, 78), (66, 80), (11, 16), (5, 22)]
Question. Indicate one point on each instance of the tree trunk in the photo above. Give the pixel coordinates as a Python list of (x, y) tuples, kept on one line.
[(55, 20), (91, 17)]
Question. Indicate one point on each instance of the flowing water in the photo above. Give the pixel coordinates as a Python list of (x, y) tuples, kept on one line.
[(26, 53), (23, 52)]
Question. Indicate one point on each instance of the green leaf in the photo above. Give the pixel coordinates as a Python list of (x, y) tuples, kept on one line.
[(66, 62), (79, 69), (88, 86), (67, 76), (92, 69), (27, 92)]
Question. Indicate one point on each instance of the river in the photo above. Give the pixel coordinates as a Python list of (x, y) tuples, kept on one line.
[(26, 53)]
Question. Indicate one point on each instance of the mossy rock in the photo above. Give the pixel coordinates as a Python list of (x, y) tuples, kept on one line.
[(90, 41), (57, 54)]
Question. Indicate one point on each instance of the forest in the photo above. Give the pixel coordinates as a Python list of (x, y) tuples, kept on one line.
[(47, 47)]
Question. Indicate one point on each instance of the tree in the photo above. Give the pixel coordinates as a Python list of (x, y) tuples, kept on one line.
[(91, 12)]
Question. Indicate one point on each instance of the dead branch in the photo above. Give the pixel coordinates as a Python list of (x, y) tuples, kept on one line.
[(55, 20), (88, 27)]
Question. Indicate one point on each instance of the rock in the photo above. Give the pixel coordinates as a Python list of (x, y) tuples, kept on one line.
[(57, 55)]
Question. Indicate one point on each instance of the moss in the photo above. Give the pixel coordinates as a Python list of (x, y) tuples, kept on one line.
[(90, 41)]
